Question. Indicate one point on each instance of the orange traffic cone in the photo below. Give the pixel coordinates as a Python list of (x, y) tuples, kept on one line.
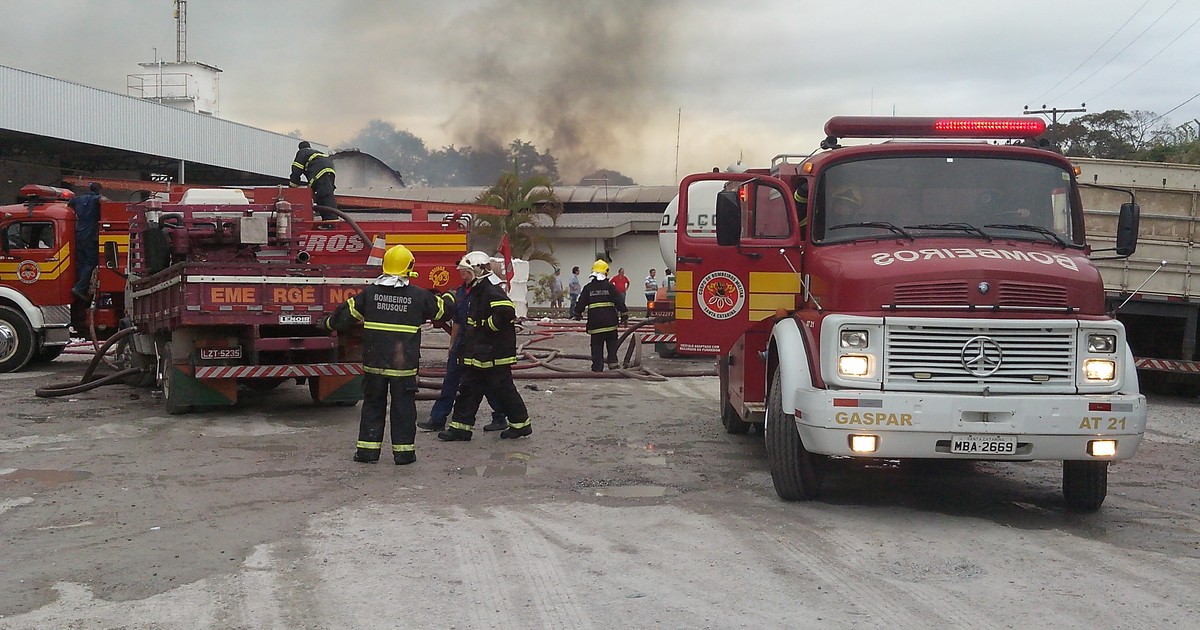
[(377, 251)]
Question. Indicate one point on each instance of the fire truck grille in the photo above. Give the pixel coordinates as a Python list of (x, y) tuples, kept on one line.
[(928, 356), (1025, 294), (950, 292)]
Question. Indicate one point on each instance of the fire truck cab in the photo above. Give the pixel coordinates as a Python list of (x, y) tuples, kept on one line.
[(36, 275), (930, 298)]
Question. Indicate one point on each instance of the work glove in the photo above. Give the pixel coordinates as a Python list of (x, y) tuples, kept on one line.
[(624, 318)]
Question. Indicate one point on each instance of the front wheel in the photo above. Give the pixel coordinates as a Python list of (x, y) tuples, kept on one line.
[(729, 418), (1085, 484), (17, 343), (796, 473)]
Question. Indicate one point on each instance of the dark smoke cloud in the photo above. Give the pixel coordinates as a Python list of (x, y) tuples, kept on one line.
[(576, 78)]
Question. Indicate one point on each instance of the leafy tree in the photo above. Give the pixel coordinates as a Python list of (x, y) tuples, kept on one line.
[(525, 200), (1113, 134)]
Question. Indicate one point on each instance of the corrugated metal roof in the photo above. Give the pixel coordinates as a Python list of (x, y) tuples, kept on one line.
[(568, 194), (45, 106)]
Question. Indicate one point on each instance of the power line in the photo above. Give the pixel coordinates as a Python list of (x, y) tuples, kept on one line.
[(1094, 52), (1160, 51), (1126, 47), (1162, 115)]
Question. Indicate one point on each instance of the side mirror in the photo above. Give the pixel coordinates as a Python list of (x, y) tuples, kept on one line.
[(729, 218), (1127, 229), (110, 254)]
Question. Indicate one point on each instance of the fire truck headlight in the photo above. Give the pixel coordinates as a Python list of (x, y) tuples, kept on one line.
[(1101, 343), (857, 339), (1100, 370), (854, 365), (1102, 448)]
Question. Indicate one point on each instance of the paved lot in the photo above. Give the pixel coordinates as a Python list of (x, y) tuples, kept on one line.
[(628, 507)]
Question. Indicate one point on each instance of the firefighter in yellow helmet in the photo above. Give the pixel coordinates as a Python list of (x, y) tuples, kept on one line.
[(489, 350), (391, 310), (844, 206), (604, 306)]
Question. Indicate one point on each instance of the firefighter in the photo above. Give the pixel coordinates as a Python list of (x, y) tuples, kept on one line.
[(317, 168), (391, 311), (488, 353), (604, 306)]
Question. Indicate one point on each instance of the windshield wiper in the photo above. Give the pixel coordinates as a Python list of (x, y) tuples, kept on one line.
[(1025, 227), (883, 225), (964, 227)]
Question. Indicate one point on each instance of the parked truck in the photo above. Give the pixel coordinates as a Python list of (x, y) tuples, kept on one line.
[(926, 299), (1156, 291), (224, 290)]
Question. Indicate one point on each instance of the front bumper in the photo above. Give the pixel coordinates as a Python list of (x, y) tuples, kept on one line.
[(919, 425)]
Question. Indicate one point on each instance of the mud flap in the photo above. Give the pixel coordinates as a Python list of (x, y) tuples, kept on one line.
[(336, 389), (189, 391)]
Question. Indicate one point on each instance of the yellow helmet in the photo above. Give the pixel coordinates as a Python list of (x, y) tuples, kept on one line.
[(398, 261), (600, 267)]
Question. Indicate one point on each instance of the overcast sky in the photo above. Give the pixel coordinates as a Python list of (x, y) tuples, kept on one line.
[(621, 83)]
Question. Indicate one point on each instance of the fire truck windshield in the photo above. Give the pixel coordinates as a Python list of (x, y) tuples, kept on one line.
[(937, 196)]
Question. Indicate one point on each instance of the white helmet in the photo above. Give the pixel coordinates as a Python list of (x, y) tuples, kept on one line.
[(478, 263)]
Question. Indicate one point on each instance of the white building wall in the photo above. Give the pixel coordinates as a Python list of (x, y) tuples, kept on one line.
[(637, 253)]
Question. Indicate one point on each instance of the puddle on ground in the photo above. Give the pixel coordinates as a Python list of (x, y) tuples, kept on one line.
[(512, 464), (43, 476), (635, 492)]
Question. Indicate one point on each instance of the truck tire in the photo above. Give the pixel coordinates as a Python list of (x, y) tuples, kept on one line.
[(171, 397), (796, 473), (17, 343), (1085, 484), (729, 418)]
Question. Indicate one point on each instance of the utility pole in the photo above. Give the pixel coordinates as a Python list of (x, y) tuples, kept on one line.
[(180, 31), (1054, 111)]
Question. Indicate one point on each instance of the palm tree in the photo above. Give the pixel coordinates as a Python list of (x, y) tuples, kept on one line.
[(524, 200)]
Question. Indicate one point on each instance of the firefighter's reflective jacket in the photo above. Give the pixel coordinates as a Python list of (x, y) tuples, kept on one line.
[(391, 317), (313, 165), (489, 337), (603, 303)]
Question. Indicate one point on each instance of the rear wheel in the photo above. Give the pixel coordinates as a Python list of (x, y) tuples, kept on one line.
[(16, 340), (796, 473), (171, 395), (729, 417), (1085, 484)]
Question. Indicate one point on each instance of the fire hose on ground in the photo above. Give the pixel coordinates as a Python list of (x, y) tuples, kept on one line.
[(89, 381)]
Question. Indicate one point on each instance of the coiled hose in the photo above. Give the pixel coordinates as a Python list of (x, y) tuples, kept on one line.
[(89, 381)]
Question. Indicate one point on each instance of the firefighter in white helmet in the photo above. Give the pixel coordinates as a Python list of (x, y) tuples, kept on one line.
[(604, 306), (391, 310), (488, 353)]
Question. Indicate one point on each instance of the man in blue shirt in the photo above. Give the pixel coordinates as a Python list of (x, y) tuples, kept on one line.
[(87, 239)]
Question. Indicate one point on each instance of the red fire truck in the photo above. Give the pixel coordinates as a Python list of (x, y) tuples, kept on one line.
[(931, 298), (223, 289)]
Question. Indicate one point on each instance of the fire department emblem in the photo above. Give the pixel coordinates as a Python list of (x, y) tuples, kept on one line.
[(28, 271), (721, 295), (439, 277)]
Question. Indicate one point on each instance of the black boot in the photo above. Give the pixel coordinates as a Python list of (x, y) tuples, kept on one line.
[(407, 457), (454, 435), (363, 457), (512, 434), (430, 425)]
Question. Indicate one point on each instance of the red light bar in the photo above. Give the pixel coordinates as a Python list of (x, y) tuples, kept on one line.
[(45, 193), (929, 127)]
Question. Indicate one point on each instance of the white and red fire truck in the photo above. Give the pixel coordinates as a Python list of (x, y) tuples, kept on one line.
[(932, 298)]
